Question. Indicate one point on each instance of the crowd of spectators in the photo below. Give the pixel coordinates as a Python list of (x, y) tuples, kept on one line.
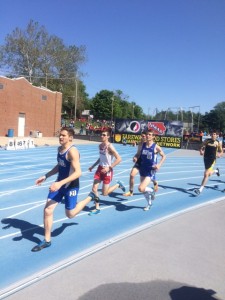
[(91, 127)]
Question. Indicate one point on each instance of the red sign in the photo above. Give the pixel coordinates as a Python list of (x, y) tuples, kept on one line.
[(157, 127)]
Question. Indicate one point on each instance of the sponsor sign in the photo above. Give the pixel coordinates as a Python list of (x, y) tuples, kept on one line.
[(168, 133)]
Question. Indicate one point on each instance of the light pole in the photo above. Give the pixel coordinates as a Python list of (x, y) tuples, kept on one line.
[(170, 108), (75, 101), (133, 111), (112, 110), (191, 110), (149, 113)]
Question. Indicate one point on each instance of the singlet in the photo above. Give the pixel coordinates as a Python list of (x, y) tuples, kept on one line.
[(211, 148), (106, 158), (65, 169), (148, 157)]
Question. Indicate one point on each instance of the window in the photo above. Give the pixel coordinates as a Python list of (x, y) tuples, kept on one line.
[(44, 97), (1, 86)]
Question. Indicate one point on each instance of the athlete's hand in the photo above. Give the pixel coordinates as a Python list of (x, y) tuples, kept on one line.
[(134, 159), (40, 180), (90, 169), (55, 186), (156, 167), (105, 170)]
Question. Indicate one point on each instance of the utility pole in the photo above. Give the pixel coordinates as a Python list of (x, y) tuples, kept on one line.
[(133, 111), (75, 100), (192, 121), (112, 110)]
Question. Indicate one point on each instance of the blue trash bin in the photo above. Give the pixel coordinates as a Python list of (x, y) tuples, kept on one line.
[(10, 132)]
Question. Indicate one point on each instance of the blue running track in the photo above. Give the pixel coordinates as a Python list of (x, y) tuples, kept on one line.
[(21, 207)]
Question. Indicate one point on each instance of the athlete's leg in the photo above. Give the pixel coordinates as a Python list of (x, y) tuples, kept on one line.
[(95, 186), (48, 218), (209, 164), (107, 189), (144, 182), (79, 206), (95, 191), (133, 173), (143, 188), (207, 174)]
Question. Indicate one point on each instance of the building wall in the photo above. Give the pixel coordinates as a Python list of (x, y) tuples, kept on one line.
[(40, 106)]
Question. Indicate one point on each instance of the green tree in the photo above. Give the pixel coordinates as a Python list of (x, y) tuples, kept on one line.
[(45, 60), (110, 105), (215, 119), (35, 54), (102, 105)]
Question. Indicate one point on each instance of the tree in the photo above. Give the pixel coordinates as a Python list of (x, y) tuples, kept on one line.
[(108, 105), (102, 105), (35, 54), (70, 95), (215, 119)]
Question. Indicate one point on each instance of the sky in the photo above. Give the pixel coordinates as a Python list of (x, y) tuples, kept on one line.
[(162, 54)]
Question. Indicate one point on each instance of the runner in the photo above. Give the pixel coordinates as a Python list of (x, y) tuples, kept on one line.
[(66, 187), (104, 171), (210, 149), (149, 166), (135, 170)]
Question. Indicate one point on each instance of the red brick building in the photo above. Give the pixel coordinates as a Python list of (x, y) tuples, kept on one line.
[(25, 108)]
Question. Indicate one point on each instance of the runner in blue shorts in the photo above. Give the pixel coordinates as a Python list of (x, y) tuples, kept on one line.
[(66, 186), (149, 166), (135, 169)]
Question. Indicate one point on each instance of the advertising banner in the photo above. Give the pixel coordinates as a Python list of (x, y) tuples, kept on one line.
[(168, 133)]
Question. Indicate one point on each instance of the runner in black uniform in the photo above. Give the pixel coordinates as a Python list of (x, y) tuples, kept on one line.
[(210, 149)]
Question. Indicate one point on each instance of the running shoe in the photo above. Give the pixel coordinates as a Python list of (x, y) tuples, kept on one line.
[(218, 172), (197, 191), (156, 187), (121, 185), (43, 244), (147, 208), (94, 212), (128, 194)]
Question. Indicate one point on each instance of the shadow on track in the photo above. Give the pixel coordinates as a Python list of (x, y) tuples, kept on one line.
[(28, 230)]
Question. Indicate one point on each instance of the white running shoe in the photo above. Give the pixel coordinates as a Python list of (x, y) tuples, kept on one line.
[(147, 208)]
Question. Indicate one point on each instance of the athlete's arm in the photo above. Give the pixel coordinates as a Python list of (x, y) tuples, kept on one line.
[(202, 149), (118, 158), (163, 156), (44, 177), (220, 149), (137, 155), (95, 164)]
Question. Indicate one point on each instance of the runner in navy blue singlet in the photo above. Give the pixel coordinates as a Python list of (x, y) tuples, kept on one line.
[(149, 166), (66, 186)]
